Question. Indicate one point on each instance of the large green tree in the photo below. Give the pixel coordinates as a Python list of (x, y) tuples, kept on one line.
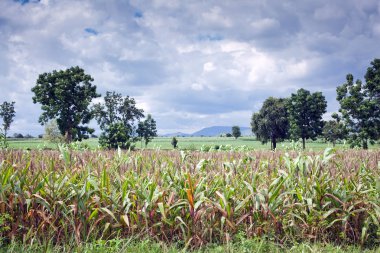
[(147, 129), (65, 95), (334, 130), (7, 113), (305, 114), (117, 118), (271, 122), (360, 106)]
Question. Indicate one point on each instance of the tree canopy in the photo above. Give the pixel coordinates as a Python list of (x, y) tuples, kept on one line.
[(271, 122), (334, 130), (117, 118), (305, 114), (360, 106), (236, 132), (147, 129), (65, 95), (7, 113)]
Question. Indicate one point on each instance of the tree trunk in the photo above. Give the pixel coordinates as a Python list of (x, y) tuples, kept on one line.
[(333, 142), (303, 143), (68, 136), (365, 144), (274, 143)]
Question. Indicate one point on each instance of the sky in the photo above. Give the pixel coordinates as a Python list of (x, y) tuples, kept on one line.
[(190, 64)]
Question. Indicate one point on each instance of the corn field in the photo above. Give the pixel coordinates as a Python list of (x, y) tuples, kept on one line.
[(194, 198)]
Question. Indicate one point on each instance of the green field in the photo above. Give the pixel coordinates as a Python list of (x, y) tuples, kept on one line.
[(232, 201), (188, 143)]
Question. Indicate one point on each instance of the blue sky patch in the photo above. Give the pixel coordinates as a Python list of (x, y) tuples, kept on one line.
[(91, 31), (138, 14), (210, 37), (22, 2)]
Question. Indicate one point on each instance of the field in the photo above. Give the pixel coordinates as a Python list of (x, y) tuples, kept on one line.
[(188, 143), (190, 199)]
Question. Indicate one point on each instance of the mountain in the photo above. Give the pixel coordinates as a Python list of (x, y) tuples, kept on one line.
[(178, 134), (218, 130), (211, 131)]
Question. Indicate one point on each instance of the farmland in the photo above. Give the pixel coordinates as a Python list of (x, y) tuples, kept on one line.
[(192, 199), (188, 143)]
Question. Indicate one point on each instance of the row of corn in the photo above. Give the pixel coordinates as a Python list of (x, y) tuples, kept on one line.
[(192, 198)]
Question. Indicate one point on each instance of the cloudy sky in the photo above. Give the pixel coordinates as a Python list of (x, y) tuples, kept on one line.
[(191, 64)]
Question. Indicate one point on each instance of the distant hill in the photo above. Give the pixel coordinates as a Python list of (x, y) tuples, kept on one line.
[(178, 134), (218, 130), (212, 131)]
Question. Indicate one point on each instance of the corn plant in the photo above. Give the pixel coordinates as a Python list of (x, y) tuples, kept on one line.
[(193, 198)]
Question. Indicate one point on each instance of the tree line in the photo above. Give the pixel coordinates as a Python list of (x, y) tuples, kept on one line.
[(300, 115), (66, 96)]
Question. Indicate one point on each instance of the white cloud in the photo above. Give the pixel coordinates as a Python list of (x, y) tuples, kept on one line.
[(264, 25), (209, 67), (190, 64)]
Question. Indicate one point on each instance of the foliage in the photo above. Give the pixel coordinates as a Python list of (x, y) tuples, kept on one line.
[(236, 132), (52, 132), (147, 129), (174, 142), (65, 95), (271, 122), (334, 130), (359, 105), (7, 113), (305, 114), (191, 198), (117, 117), (116, 135), (3, 140), (149, 245), (18, 135)]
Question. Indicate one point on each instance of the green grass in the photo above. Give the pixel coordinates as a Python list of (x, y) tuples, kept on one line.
[(148, 246), (189, 143)]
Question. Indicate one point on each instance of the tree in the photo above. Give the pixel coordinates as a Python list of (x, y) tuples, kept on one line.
[(305, 114), (18, 136), (66, 96), (236, 132), (52, 132), (147, 129), (360, 106), (117, 117), (271, 122), (174, 142), (334, 130), (7, 113)]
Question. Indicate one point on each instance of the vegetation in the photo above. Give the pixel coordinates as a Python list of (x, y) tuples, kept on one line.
[(65, 95), (7, 113), (136, 245), (52, 133), (117, 119), (174, 142), (359, 105), (147, 129), (236, 133), (192, 199), (305, 114), (334, 130), (271, 122)]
